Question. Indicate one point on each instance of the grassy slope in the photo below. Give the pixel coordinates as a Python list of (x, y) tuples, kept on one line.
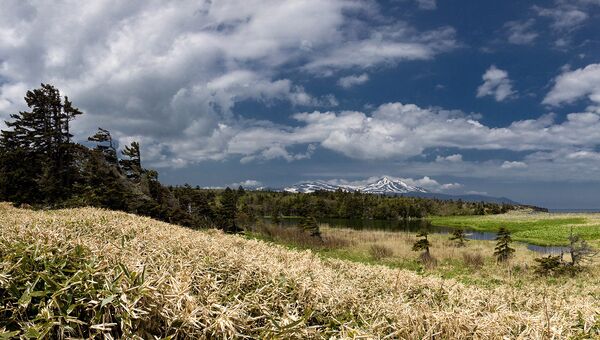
[(136, 277), (536, 228)]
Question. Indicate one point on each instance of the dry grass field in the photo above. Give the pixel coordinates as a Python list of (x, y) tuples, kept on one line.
[(94, 273)]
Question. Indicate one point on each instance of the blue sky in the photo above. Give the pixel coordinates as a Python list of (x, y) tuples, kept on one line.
[(488, 97)]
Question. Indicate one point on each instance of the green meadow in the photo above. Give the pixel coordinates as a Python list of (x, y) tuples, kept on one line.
[(546, 229)]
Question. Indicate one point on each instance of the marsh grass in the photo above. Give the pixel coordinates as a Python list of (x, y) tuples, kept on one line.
[(531, 227), (379, 252), (473, 260), (87, 272)]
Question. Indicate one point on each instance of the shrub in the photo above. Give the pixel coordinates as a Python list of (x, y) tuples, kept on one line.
[(379, 252), (473, 260), (548, 265), (580, 251), (554, 266)]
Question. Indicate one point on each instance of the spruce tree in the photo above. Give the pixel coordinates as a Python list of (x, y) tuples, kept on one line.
[(241, 191), (133, 164), (36, 150), (422, 243), (228, 210), (503, 251), (275, 218), (104, 144), (459, 236), (310, 225)]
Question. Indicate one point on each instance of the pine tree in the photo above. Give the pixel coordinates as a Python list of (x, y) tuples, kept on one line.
[(38, 147), (503, 252), (579, 250), (310, 225), (459, 236), (241, 191), (104, 144), (133, 164), (228, 210), (422, 243), (275, 218)]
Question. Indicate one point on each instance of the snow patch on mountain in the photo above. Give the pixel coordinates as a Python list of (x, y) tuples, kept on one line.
[(384, 186)]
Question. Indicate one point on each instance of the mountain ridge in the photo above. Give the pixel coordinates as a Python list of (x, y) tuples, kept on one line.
[(384, 185), (387, 185)]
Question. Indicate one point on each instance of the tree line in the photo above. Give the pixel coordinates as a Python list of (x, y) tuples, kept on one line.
[(356, 205)]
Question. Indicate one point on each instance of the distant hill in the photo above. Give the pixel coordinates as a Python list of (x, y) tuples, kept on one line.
[(466, 197)]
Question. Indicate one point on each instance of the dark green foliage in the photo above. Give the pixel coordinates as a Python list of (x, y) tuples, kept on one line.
[(503, 252), (459, 236), (241, 191), (422, 243), (275, 217), (105, 145), (227, 211), (340, 204), (549, 265), (36, 160), (310, 225), (40, 166), (132, 165)]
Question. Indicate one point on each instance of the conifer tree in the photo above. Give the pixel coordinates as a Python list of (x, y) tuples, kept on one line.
[(310, 225), (133, 164), (104, 144), (579, 250), (228, 210), (503, 251), (241, 191), (422, 243), (459, 236), (37, 147), (275, 219)]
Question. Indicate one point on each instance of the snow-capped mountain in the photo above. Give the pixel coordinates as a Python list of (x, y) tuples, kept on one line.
[(386, 185), (383, 186), (308, 187)]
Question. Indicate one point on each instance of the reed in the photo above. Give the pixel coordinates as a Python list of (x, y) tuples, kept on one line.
[(84, 273)]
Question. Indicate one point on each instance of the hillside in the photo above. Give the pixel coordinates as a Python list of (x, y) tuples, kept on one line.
[(83, 272)]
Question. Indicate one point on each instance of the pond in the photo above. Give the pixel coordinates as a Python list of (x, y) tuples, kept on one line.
[(412, 226)]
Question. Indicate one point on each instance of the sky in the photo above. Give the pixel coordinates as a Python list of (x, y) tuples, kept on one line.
[(491, 97)]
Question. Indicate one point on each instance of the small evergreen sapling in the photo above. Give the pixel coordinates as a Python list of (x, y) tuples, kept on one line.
[(459, 236), (310, 225), (503, 252), (422, 243)]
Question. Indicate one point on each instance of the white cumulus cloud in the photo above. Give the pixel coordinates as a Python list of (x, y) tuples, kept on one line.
[(495, 83), (572, 85)]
